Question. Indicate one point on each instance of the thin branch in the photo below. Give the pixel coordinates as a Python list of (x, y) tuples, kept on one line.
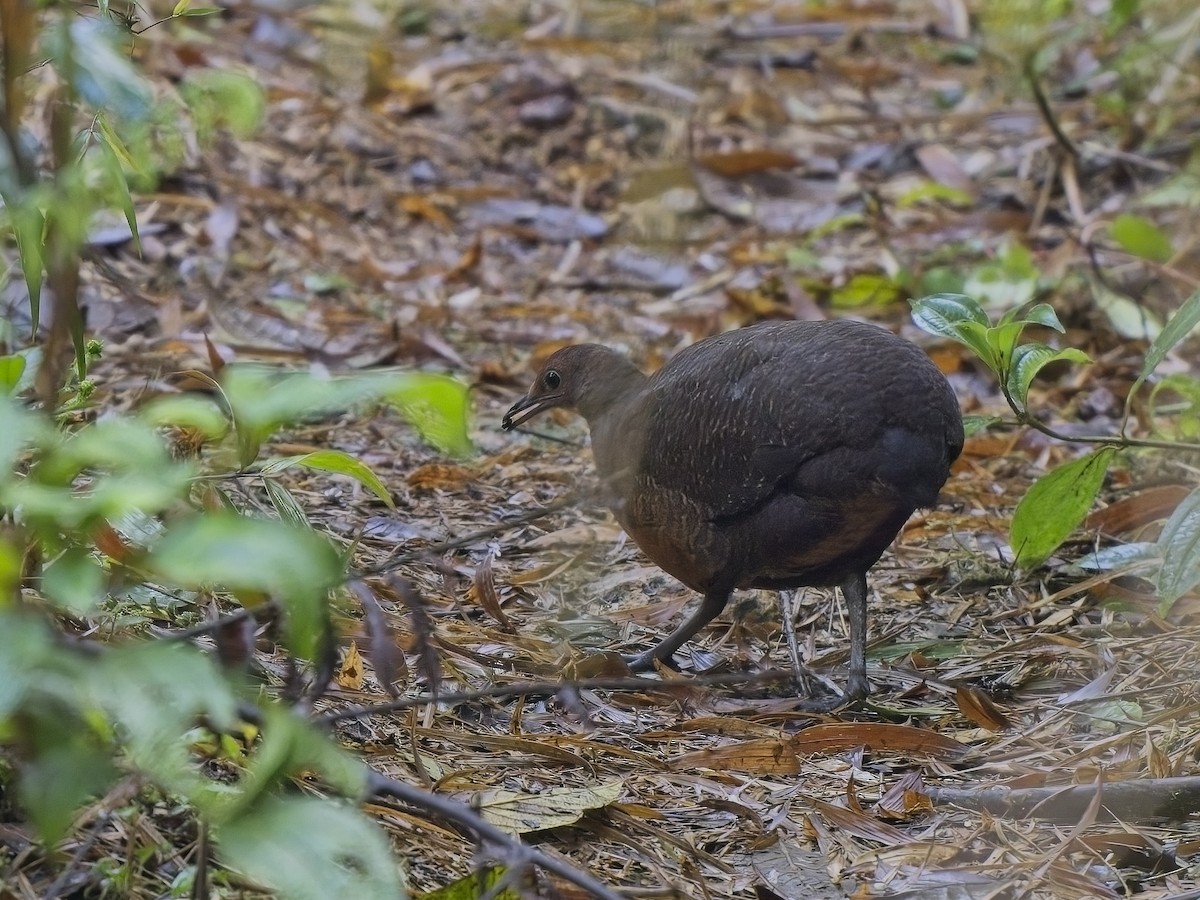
[(524, 688), (1043, 105), (461, 814)]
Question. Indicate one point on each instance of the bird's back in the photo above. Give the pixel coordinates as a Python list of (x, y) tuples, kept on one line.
[(783, 454)]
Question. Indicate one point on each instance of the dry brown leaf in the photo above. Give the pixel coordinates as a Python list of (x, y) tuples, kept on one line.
[(979, 708), (1129, 514), (440, 477), (943, 166), (880, 736), (744, 162), (483, 592), (758, 757), (350, 672), (519, 813)]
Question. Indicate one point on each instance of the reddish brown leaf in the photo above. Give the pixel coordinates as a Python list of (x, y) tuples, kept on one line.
[(979, 708)]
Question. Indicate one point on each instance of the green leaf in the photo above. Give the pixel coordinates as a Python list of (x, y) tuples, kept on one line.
[(75, 582), (186, 411), (958, 317), (976, 424), (305, 848), (286, 505), (1055, 505), (337, 462), (436, 405), (25, 645), (91, 55), (155, 693), (18, 429), (1043, 314), (221, 98), (1178, 327), (480, 883), (1130, 320), (1141, 237), (1029, 359), (866, 290), (67, 769), (295, 566), (289, 748), (1179, 544), (11, 370), (28, 225), (118, 185)]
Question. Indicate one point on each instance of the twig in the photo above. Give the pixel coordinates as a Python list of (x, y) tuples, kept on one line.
[(1139, 800), (381, 786), (523, 688), (1043, 105)]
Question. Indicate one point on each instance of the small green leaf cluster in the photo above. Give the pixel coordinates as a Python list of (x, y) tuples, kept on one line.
[(78, 718), (1058, 502), (998, 346)]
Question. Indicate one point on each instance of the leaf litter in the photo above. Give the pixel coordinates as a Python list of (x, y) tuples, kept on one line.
[(497, 180)]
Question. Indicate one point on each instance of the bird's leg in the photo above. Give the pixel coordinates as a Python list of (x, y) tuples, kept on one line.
[(854, 589), (804, 680), (714, 601)]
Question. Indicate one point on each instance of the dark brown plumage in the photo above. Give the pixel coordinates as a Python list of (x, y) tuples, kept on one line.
[(784, 455)]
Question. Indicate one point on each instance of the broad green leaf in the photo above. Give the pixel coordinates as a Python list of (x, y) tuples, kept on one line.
[(186, 411), (940, 314), (333, 461), (305, 848), (295, 566), (977, 424), (1055, 505), (1029, 359), (1178, 327), (1043, 314), (291, 747), (436, 405), (93, 56), (1179, 544), (25, 646), (958, 317), (154, 693), (67, 769), (11, 370), (866, 290), (1141, 237), (480, 883), (286, 505), (75, 582), (1130, 320), (18, 429), (222, 98)]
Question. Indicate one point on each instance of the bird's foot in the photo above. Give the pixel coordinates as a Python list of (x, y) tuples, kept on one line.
[(817, 695)]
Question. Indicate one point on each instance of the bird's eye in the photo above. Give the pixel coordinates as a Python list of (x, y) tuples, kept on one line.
[(552, 380)]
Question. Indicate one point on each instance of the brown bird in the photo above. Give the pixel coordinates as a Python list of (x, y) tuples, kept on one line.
[(784, 455)]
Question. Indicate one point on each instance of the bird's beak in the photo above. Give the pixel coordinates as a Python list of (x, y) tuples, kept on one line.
[(525, 408)]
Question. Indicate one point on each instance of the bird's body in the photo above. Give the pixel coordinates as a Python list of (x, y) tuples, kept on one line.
[(779, 456)]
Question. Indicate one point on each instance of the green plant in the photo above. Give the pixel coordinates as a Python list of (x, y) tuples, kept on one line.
[(1058, 502)]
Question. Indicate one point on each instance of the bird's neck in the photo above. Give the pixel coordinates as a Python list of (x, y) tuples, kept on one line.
[(610, 390)]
